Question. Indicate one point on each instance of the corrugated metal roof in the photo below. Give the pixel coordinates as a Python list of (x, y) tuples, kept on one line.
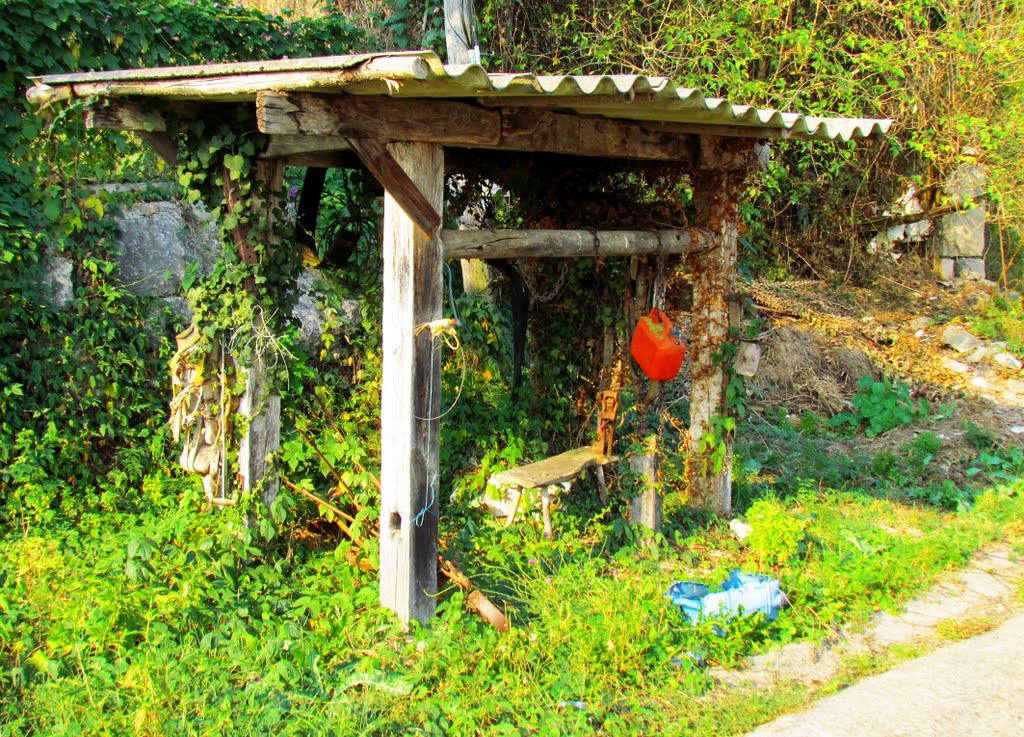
[(655, 100)]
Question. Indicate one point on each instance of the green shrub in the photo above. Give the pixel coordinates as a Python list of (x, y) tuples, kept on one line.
[(777, 535), (880, 406)]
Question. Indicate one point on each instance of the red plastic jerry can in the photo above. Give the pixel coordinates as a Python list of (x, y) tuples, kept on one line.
[(659, 353)]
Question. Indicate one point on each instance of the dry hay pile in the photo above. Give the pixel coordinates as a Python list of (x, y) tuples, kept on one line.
[(803, 371)]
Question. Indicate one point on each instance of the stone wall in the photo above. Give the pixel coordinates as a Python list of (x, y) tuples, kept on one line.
[(159, 241), (960, 236)]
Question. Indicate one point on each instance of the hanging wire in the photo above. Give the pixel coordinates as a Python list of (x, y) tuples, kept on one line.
[(442, 330)]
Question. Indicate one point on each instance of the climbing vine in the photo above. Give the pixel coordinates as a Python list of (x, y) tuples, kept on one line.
[(251, 288), (83, 409)]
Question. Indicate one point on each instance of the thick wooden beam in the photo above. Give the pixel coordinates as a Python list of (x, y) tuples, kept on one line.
[(386, 119), (284, 146), (485, 244), (127, 115), (725, 164), (467, 125), (582, 135), (410, 394), (398, 184)]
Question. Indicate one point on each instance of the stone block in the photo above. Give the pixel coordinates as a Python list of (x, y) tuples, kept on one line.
[(60, 289), (959, 339), (1007, 361), (961, 234), (970, 268), (309, 313), (158, 241), (947, 268)]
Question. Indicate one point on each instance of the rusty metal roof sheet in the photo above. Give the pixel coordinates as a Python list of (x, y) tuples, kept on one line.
[(655, 100)]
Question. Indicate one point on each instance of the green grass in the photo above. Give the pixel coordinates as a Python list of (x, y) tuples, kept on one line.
[(169, 621)]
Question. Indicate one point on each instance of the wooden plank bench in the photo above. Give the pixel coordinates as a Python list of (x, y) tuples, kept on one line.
[(558, 472)]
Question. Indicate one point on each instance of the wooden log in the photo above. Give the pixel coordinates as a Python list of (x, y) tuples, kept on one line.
[(393, 65), (230, 85), (717, 187), (165, 146), (645, 508), (399, 185), (475, 598), (485, 244), (466, 125), (410, 395)]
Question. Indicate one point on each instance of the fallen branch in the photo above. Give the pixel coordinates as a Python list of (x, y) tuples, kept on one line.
[(326, 505), (915, 217), (475, 598)]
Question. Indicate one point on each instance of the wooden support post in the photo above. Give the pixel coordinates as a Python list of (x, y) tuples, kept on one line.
[(262, 410), (645, 509), (262, 435), (410, 394), (462, 48), (460, 32), (724, 165)]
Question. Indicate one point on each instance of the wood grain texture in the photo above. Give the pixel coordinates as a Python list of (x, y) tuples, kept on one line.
[(262, 408), (563, 467), (410, 394), (485, 244), (396, 65), (645, 508), (460, 31), (398, 184), (717, 190), (468, 126), (385, 119)]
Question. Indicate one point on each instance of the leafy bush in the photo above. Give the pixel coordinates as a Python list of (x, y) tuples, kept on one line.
[(948, 76), (777, 535), (880, 406), (1002, 320)]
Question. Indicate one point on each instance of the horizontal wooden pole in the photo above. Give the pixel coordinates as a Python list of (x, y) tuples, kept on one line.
[(198, 83), (569, 243), (395, 65), (466, 125)]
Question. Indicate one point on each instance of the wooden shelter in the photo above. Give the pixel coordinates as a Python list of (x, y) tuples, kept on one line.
[(404, 116)]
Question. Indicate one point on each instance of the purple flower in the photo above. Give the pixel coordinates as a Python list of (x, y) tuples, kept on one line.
[(293, 192)]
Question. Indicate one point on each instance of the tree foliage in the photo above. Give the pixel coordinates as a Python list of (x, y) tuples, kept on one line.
[(947, 73)]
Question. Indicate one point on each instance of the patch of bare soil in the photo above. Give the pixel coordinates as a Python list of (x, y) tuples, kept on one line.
[(819, 341)]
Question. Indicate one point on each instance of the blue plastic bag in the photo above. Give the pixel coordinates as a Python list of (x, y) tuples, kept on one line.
[(746, 592)]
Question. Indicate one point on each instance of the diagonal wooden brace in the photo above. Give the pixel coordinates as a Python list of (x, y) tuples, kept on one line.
[(389, 173)]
